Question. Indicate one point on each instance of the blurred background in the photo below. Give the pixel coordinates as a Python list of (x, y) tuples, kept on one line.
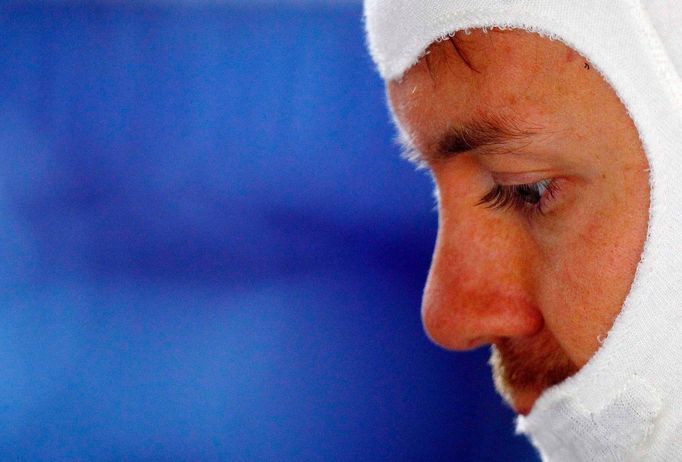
[(211, 250)]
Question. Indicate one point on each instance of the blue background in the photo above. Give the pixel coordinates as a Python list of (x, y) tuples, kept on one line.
[(211, 249)]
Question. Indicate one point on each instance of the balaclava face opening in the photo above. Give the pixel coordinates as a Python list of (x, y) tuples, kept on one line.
[(626, 402)]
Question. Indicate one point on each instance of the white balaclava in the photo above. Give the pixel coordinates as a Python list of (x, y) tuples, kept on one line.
[(625, 404)]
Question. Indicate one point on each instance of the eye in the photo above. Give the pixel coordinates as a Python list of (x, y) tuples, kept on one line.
[(522, 197)]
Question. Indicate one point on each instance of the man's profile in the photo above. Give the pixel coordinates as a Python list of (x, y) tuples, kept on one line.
[(557, 176)]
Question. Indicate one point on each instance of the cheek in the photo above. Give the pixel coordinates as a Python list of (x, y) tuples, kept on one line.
[(586, 270)]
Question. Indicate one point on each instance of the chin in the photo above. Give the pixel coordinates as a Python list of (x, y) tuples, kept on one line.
[(522, 402)]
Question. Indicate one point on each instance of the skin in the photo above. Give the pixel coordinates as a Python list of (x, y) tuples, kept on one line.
[(542, 288)]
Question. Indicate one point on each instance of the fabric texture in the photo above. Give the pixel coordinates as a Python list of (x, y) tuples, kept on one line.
[(625, 404)]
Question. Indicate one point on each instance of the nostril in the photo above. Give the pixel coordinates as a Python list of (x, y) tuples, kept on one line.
[(478, 342)]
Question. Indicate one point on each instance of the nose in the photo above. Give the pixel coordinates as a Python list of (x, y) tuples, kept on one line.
[(479, 285)]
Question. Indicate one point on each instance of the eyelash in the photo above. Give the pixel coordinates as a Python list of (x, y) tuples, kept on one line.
[(527, 198)]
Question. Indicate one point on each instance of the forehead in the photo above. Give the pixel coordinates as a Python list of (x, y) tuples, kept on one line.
[(512, 74)]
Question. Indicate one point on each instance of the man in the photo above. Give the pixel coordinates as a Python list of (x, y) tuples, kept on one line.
[(545, 205)]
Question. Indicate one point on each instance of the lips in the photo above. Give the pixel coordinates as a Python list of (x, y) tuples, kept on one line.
[(524, 367)]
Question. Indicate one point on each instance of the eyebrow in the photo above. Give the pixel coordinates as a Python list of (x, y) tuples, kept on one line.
[(497, 134)]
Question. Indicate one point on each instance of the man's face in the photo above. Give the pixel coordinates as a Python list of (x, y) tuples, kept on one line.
[(543, 200)]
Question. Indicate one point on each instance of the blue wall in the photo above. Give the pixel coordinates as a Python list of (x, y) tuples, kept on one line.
[(211, 249)]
